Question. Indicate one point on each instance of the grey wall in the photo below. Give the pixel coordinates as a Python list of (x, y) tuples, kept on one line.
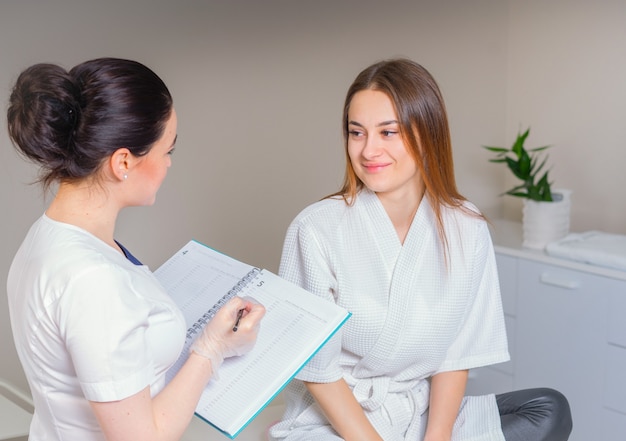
[(567, 79), (259, 86)]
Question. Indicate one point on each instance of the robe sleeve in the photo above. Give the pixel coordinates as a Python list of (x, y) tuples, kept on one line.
[(481, 339), (306, 263)]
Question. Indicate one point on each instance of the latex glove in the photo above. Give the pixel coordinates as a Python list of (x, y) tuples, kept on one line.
[(218, 340)]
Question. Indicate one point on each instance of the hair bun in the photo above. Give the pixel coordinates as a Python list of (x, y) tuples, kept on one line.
[(44, 112), (70, 122)]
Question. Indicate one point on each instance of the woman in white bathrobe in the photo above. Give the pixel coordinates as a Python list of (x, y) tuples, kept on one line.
[(413, 261)]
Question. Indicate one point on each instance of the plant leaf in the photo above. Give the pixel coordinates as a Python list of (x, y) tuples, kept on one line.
[(538, 149), (514, 167), (518, 145), (543, 187), (526, 166), (496, 149)]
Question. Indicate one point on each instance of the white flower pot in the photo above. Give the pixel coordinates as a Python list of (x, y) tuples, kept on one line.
[(545, 222)]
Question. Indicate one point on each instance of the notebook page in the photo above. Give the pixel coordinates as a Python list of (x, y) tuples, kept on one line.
[(296, 324), (197, 277)]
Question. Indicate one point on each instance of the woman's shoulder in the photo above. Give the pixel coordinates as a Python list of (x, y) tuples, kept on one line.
[(65, 249), (465, 212), (465, 220), (323, 220), (325, 211)]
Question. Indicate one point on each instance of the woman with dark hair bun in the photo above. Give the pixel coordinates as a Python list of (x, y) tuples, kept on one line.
[(94, 330)]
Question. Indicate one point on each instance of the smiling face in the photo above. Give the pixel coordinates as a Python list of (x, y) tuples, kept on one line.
[(377, 151)]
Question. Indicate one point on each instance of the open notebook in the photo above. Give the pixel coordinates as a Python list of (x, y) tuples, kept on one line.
[(296, 325)]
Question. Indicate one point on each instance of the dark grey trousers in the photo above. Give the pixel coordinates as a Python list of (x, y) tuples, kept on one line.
[(540, 414)]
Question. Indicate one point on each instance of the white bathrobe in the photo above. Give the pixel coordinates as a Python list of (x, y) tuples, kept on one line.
[(416, 312)]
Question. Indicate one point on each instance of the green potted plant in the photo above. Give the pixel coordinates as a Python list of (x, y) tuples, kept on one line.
[(546, 212), (526, 165)]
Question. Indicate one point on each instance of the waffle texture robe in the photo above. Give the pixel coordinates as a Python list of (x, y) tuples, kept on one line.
[(414, 315)]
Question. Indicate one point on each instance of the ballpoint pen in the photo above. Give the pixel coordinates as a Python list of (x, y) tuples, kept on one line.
[(239, 315)]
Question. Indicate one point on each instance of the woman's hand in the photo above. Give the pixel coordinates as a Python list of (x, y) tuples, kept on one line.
[(220, 340)]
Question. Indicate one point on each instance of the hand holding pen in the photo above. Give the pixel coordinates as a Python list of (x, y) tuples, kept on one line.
[(218, 341)]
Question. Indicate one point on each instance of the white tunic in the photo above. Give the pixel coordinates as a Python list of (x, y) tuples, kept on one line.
[(414, 315), (88, 325)]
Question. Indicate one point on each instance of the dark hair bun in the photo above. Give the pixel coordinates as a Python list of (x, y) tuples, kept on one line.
[(44, 110), (70, 122)]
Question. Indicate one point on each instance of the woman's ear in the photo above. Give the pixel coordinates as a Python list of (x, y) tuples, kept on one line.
[(120, 163)]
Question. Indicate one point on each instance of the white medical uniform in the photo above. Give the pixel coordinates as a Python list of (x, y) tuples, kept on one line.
[(88, 324), (415, 313)]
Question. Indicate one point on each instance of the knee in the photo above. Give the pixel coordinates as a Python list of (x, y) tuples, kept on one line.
[(560, 420)]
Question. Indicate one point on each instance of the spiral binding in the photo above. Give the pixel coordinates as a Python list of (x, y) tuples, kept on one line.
[(202, 321)]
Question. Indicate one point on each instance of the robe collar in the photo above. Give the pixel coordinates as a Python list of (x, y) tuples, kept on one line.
[(401, 261)]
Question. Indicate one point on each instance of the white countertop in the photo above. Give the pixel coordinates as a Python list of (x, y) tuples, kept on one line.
[(507, 239)]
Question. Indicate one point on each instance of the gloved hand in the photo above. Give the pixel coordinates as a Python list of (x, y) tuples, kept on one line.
[(218, 340)]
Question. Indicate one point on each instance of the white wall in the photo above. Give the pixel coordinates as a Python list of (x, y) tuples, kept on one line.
[(259, 86)]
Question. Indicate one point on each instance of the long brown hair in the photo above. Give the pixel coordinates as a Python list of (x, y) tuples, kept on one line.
[(424, 128)]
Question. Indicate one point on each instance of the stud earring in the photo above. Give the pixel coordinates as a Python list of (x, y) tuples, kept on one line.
[(125, 176)]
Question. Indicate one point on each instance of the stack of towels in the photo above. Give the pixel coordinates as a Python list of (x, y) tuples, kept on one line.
[(592, 247)]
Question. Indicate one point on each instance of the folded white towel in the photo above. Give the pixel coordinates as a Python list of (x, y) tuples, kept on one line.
[(593, 247)]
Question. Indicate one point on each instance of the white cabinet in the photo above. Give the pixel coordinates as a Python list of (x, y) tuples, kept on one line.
[(562, 339), (567, 330)]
